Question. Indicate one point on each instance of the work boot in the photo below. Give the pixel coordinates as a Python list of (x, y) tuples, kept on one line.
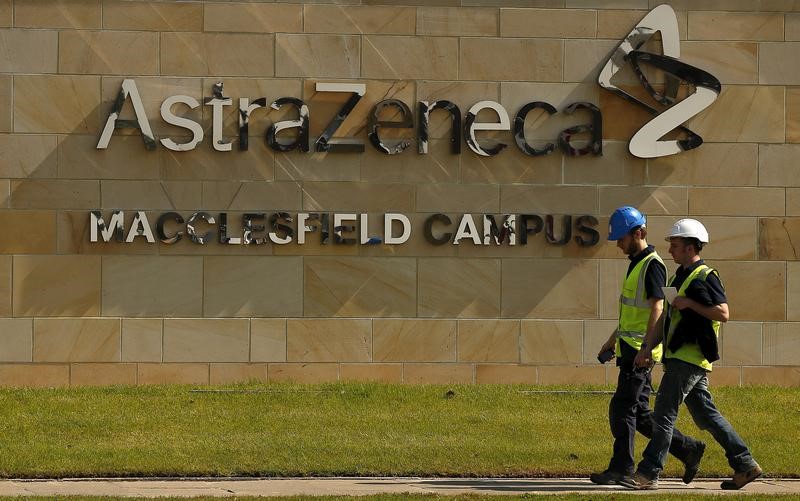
[(640, 481), (609, 477), (742, 478), (692, 463)]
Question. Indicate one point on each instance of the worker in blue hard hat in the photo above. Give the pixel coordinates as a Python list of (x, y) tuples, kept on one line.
[(641, 306)]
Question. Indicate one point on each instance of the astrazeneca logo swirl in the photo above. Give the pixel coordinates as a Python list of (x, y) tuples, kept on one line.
[(646, 142)]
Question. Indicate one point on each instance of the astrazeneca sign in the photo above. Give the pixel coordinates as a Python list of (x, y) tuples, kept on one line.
[(293, 135)]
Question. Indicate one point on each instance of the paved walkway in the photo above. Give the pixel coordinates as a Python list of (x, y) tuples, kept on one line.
[(226, 487)]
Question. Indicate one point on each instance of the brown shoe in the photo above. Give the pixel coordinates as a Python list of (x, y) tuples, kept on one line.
[(742, 478)]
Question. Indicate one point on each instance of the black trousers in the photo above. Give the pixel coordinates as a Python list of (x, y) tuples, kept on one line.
[(629, 412)]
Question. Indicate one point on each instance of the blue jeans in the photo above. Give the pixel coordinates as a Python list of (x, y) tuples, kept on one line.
[(684, 382)]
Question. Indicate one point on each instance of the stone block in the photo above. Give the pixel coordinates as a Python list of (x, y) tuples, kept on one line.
[(6, 269), (67, 286), (736, 201), (551, 342), (371, 373), (150, 195), (6, 13), (730, 62), (793, 114), (731, 237), (251, 196), (725, 376), (792, 291), (16, 340), (28, 156), (252, 17), (6, 104), (415, 58), (76, 340), (360, 287), (333, 56), (75, 14), (240, 286), (237, 373), (458, 198), (303, 373), (125, 158), (777, 238), (414, 340), (438, 166), (548, 23), (616, 166), (359, 19), (102, 374), (488, 341), (713, 164), (616, 24), (512, 167), (296, 166), (772, 376), (142, 339), (596, 333), (560, 290), (650, 200), (205, 164), (777, 165), (150, 286), (781, 344), (792, 26), (108, 52), (505, 374), (358, 197), (457, 287), (438, 373), (583, 60), (172, 374), (329, 340), (206, 340), (741, 344), (496, 59), (571, 374), (217, 54), (755, 290), (29, 51), (762, 105), (773, 63), (34, 375), (55, 194), (463, 95), (267, 340), (735, 26), (449, 21), (152, 16), (27, 232), (548, 199), (57, 104)]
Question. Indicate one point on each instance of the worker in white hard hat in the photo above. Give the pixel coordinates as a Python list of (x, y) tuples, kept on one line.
[(641, 305), (690, 331)]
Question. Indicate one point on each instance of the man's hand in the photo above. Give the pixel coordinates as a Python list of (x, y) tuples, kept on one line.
[(608, 345), (644, 358)]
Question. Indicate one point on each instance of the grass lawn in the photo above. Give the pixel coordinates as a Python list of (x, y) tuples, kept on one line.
[(353, 429)]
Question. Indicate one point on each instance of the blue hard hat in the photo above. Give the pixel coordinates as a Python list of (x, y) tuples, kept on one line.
[(623, 220)]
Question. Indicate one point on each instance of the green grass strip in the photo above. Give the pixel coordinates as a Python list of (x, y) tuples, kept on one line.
[(353, 430)]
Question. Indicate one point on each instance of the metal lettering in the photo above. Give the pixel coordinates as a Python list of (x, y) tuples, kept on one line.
[(374, 123), (471, 126), (172, 119), (128, 89), (325, 143)]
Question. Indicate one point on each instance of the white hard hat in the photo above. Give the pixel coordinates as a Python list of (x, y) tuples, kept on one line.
[(688, 228)]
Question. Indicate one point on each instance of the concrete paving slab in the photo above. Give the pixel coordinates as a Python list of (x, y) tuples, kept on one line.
[(230, 487)]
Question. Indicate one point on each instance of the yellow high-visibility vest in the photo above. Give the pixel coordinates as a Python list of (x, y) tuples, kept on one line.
[(634, 308), (689, 352)]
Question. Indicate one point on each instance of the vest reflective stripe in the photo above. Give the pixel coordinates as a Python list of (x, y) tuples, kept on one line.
[(634, 307), (689, 352)]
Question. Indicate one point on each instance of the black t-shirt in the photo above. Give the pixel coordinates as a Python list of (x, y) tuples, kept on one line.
[(702, 291), (655, 276)]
